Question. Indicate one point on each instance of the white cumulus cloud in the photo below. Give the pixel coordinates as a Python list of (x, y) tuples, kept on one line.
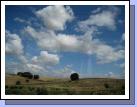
[(13, 44), (108, 54), (96, 10), (72, 43), (122, 65), (46, 58), (55, 17), (123, 36), (34, 68), (102, 19)]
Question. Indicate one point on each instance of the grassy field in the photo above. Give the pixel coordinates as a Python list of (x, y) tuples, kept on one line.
[(56, 86)]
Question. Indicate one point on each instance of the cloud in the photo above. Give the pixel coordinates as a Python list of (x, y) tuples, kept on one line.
[(111, 75), (13, 44), (55, 17), (70, 11), (68, 42), (14, 67), (48, 40), (46, 58), (17, 19), (102, 19), (123, 36), (64, 72), (49, 37), (34, 68), (96, 10), (58, 42), (121, 75), (73, 43), (122, 65), (22, 58), (69, 66), (15, 47), (108, 54)]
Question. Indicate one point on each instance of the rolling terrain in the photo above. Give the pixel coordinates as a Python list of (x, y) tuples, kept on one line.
[(16, 85)]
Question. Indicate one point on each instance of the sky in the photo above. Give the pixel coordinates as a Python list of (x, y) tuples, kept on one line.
[(56, 41)]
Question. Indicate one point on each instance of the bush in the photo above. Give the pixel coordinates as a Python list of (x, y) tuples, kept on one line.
[(69, 92), (18, 82), (31, 88), (20, 87), (19, 73), (12, 91), (12, 87), (41, 91), (27, 81), (30, 76), (74, 77), (36, 76), (91, 93), (106, 85), (6, 86), (123, 87), (27, 74), (122, 92)]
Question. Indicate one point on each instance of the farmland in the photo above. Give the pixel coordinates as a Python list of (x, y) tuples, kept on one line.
[(63, 86)]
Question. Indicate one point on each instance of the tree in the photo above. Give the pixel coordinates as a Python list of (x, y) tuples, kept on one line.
[(30, 76), (27, 74), (19, 73), (18, 82), (27, 80), (74, 76), (36, 76)]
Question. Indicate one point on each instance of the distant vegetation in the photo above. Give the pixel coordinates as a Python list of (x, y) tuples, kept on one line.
[(36, 77), (19, 85), (28, 75), (18, 82), (74, 76)]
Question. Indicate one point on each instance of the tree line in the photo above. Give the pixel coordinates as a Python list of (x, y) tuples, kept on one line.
[(73, 76), (28, 75)]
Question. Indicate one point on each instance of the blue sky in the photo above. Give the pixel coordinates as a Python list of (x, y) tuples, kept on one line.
[(59, 40)]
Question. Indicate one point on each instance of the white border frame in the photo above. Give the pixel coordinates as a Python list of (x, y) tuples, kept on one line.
[(126, 96)]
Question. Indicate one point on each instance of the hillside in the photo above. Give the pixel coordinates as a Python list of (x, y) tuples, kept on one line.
[(56, 86)]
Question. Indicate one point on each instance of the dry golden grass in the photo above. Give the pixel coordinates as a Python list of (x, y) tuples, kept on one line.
[(66, 86)]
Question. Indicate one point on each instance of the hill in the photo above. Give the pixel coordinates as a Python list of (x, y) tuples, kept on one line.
[(57, 86)]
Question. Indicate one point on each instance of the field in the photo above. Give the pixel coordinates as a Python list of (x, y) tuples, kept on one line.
[(16, 85)]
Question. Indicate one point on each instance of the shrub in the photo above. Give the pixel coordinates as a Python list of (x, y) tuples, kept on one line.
[(19, 73), (31, 88), (12, 87), (18, 82), (122, 92), (123, 87), (36, 76), (27, 80), (16, 87), (41, 91), (91, 93), (6, 86), (12, 91), (74, 77), (106, 85), (69, 92), (38, 91), (20, 87), (27, 74), (15, 91), (30, 76)]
